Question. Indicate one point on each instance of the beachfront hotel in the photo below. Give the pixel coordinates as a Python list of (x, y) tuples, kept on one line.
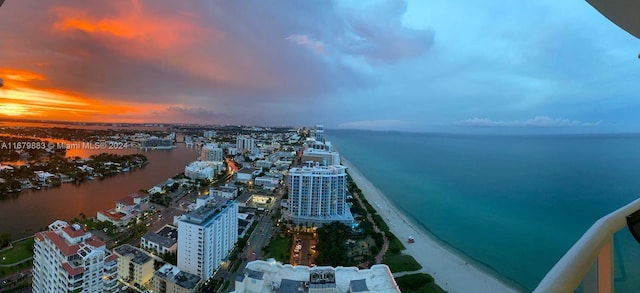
[(206, 237), (318, 132), (317, 194), (318, 150), (271, 276), (66, 258)]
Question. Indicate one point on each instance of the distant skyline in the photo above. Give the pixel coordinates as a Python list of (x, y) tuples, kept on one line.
[(431, 65)]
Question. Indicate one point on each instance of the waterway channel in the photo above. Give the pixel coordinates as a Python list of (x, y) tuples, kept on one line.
[(29, 211)]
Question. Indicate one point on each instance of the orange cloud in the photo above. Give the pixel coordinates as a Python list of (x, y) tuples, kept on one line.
[(20, 98), (20, 75), (176, 40), (132, 25)]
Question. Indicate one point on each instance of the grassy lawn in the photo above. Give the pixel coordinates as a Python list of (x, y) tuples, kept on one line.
[(13, 269), (280, 248), (401, 263), (395, 245), (418, 283), (21, 250)]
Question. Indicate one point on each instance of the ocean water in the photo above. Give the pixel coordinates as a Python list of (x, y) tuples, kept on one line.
[(515, 204)]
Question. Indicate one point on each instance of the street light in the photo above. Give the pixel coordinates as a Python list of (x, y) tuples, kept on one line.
[(633, 222)]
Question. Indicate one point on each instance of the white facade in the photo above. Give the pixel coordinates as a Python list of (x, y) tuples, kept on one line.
[(228, 192), (267, 182), (67, 258), (211, 152), (243, 177), (317, 194), (312, 143), (206, 236), (326, 157), (244, 143), (319, 132), (158, 243), (270, 276), (203, 170), (209, 134)]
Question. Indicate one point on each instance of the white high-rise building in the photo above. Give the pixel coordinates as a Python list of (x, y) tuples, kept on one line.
[(319, 132), (69, 259), (209, 134), (317, 194), (244, 143), (211, 152), (206, 236)]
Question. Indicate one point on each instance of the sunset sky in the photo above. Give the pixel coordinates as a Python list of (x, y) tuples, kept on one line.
[(387, 64)]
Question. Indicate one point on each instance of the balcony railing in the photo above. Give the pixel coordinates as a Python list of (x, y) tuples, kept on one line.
[(590, 260)]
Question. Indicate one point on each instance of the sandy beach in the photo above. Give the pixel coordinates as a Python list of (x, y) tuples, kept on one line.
[(450, 271)]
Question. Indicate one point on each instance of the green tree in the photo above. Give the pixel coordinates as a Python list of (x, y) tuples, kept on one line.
[(5, 239), (171, 257), (331, 244)]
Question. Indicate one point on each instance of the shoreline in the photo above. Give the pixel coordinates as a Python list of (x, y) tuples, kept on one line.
[(451, 271)]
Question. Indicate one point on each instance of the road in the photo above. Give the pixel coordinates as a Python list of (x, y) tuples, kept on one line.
[(259, 238)]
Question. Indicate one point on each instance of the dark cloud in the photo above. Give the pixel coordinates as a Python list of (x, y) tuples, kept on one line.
[(205, 55), (378, 35)]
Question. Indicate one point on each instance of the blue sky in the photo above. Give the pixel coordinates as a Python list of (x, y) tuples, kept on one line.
[(430, 65), (521, 64)]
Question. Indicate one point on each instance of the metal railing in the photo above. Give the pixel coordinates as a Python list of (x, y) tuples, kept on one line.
[(590, 260)]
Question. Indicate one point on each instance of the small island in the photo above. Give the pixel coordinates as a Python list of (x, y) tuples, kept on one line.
[(50, 167)]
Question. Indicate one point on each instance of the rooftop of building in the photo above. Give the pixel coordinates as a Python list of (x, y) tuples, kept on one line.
[(166, 237), (210, 146), (247, 170), (159, 239), (244, 197), (136, 255), (67, 249), (203, 164), (225, 188), (288, 278), (127, 200), (358, 285), (169, 231), (316, 167), (267, 178), (206, 212), (293, 286), (175, 275), (70, 239), (113, 214)]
